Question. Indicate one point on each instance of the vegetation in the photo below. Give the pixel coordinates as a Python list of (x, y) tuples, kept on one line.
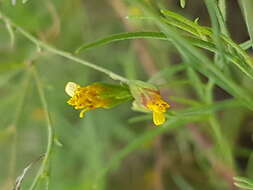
[(187, 64)]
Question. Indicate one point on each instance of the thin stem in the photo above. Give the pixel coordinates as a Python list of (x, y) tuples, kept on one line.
[(218, 25), (67, 55), (50, 131), (14, 124)]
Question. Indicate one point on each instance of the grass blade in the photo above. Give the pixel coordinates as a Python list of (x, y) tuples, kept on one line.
[(161, 36), (247, 9), (120, 37), (50, 130)]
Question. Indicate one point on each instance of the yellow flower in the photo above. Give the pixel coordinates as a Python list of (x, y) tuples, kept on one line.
[(157, 105), (96, 95), (148, 99), (86, 98)]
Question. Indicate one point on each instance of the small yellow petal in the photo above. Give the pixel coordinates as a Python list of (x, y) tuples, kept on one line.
[(82, 113), (71, 88), (158, 118)]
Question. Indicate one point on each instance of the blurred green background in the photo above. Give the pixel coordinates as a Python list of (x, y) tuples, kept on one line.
[(203, 147)]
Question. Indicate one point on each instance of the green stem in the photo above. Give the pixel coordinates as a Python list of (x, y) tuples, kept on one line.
[(219, 27), (50, 131), (67, 55), (14, 124)]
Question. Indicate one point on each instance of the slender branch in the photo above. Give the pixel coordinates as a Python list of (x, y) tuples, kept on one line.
[(62, 53), (43, 168), (20, 103)]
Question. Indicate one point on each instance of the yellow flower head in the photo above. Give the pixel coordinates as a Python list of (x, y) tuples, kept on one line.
[(96, 95), (148, 99), (157, 105), (86, 98)]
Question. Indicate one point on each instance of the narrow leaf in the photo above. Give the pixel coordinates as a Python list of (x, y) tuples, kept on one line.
[(120, 37), (247, 9)]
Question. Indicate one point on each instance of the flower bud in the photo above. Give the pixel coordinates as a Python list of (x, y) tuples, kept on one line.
[(147, 98)]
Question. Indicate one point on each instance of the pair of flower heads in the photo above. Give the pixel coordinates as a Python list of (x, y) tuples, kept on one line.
[(146, 97)]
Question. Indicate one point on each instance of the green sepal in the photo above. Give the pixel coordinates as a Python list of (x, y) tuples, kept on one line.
[(139, 89), (116, 94)]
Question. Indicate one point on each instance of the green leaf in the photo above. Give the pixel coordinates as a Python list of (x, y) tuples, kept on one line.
[(247, 9), (245, 68), (205, 33), (121, 37), (199, 30), (199, 61), (216, 36)]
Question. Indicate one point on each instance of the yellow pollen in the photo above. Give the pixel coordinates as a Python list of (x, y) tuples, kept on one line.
[(85, 98)]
